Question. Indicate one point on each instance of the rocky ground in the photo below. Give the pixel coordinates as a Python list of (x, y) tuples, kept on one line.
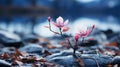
[(101, 49)]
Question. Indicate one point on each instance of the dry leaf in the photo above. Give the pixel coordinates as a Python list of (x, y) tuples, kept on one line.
[(42, 60), (34, 65), (13, 57), (112, 44), (47, 53), (50, 64), (28, 59), (109, 65), (50, 46), (80, 62), (5, 56), (18, 52), (16, 62)]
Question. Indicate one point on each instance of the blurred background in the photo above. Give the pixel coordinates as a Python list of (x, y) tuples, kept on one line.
[(27, 16)]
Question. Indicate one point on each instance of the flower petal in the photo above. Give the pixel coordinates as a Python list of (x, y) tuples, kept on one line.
[(86, 33), (46, 26), (76, 37), (66, 22), (57, 25), (65, 29), (59, 20)]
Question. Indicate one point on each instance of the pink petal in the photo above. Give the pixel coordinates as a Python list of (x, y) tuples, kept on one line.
[(76, 37), (87, 32), (66, 22), (65, 29), (46, 26), (59, 20), (81, 31), (57, 25)]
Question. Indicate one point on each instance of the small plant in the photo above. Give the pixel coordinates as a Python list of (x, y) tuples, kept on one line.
[(62, 26)]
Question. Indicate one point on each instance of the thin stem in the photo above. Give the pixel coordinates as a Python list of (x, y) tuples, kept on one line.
[(67, 38), (98, 53), (51, 29), (75, 47), (80, 61), (90, 32), (60, 34), (83, 39)]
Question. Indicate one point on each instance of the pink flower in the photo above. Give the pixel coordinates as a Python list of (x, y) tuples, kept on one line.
[(84, 33), (49, 18), (60, 22), (77, 36)]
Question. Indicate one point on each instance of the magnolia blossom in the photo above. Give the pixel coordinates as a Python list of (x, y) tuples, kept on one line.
[(85, 33), (82, 34), (60, 22)]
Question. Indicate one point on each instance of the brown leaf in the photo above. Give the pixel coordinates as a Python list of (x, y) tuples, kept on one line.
[(13, 57), (5, 55), (50, 46), (28, 59), (15, 62), (112, 44), (80, 62), (34, 65), (50, 64), (109, 65), (63, 43), (18, 52), (32, 58), (47, 53), (41, 60)]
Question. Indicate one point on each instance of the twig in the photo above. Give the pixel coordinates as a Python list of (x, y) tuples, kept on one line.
[(75, 47), (83, 38), (51, 29), (66, 38)]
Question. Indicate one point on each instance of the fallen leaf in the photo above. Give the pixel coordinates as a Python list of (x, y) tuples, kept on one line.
[(112, 44), (80, 62), (41, 60), (50, 46), (18, 52), (34, 65), (46, 53), (5, 56)]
